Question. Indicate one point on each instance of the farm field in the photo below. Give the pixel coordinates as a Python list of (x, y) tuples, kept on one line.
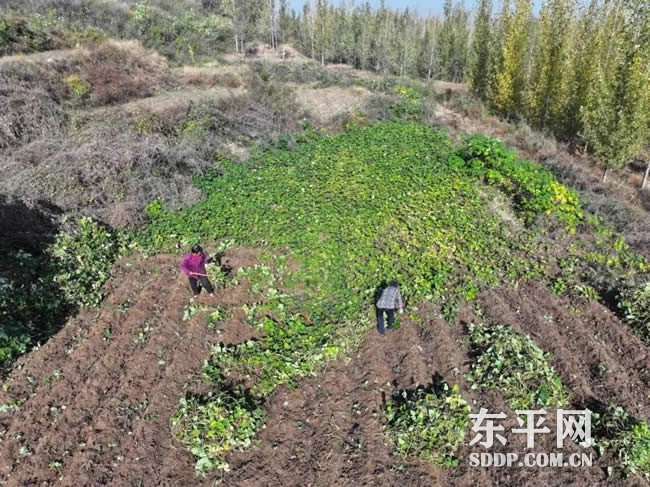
[(281, 379)]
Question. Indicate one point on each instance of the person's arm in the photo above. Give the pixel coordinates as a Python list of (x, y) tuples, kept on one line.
[(400, 301)]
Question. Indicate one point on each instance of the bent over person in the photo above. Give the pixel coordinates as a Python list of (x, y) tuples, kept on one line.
[(390, 300), (193, 266)]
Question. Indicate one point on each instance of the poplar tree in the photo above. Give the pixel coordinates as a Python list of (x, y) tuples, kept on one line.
[(615, 118), (322, 30), (480, 53), (581, 61), (545, 104), (427, 63), (500, 26), (510, 82), (453, 41)]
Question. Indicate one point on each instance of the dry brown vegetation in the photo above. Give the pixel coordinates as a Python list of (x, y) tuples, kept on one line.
[(94, 132), (30, 103), (122, 71)]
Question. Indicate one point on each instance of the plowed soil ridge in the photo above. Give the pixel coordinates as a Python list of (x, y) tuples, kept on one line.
[(330, 430), (96, 400)]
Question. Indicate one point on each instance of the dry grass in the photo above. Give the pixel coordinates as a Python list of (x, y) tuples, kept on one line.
[(210, 76), (111, 174), (326, 105), (30, 102), (120, 71), (111, 161)]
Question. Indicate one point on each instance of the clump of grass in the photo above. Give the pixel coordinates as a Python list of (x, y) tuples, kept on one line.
[(514, 364), (634, 305)]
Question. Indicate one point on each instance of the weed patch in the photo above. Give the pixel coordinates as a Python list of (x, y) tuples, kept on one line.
[(212, 426)]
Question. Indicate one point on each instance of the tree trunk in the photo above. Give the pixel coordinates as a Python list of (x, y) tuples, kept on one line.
[(645, 176), (605, 173)]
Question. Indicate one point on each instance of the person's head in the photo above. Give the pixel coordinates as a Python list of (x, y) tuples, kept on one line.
[(197, 249), (394, 283)]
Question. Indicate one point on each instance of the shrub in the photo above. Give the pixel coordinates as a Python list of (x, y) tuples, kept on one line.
[(301, 73), (534, 143), (78, 86), (26, 35), (120, 71), (469, 106), (379, 108)]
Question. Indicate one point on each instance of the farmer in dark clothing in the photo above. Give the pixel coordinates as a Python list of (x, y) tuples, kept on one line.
[(193, 265), (390, 300)]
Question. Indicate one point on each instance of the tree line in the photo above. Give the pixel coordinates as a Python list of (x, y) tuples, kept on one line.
[(580, 71)]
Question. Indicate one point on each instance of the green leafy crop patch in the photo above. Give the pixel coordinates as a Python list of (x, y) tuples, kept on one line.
[(353, 211), (390, 200), (514, 364), (626, 438), (428, 423), (534, 189), (211, 426)]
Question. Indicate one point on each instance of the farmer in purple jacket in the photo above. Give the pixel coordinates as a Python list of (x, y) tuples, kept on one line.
[(193, 265)]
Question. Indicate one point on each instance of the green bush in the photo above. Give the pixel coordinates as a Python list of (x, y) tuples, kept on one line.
[(32, 307), (430, 425), (513, 364), (78, 86), (410, 107), (25, 35)]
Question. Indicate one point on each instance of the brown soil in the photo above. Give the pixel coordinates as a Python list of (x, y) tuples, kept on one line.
[(95, 406), (329, 431), (96, 399)]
